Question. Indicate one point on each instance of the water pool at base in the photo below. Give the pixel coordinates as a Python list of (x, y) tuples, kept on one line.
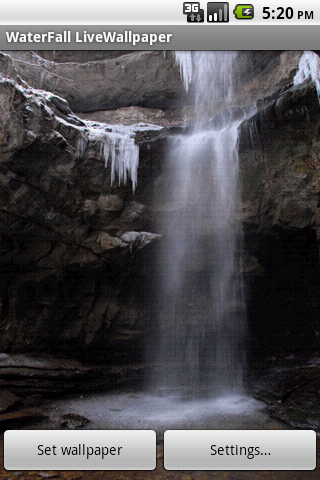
[(135, 410)]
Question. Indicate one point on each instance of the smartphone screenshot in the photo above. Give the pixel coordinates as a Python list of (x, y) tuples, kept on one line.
[(159, 241)]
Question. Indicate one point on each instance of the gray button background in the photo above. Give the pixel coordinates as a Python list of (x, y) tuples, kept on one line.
[(191, 449), (21, 449)]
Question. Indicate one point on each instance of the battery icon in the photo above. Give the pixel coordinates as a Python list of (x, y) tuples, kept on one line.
[(244, 12)]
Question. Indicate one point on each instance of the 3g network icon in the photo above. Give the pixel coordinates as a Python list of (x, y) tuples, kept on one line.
[(191, 7), (193, 11)]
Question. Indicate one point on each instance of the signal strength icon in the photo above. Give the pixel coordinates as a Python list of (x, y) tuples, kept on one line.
[(217, 12)]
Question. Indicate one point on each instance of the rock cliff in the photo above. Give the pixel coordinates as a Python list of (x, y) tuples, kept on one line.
[(145, 79), (69, 234), (77, 240)]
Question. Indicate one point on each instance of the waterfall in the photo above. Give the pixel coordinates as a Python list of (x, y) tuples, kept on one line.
[(201, 307)]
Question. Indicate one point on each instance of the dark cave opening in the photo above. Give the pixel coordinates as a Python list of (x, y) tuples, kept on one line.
[(284, 302)]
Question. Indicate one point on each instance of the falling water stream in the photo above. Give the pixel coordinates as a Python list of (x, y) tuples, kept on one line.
[(202, 314)]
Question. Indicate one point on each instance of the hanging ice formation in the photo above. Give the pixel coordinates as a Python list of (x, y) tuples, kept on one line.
[(309, 66), (117, 148)]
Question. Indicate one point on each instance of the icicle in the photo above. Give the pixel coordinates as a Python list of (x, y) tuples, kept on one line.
[(309, 66), (81, 146), (184, 60), (117, 149)]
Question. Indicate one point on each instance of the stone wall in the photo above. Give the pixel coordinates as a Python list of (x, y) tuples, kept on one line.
[(70, 278), (280, 171), (77, 253)]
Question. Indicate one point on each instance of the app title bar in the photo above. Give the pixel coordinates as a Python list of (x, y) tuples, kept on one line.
[(100, 37)]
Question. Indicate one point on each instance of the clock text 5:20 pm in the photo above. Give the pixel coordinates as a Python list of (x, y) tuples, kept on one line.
[(281, 13)]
